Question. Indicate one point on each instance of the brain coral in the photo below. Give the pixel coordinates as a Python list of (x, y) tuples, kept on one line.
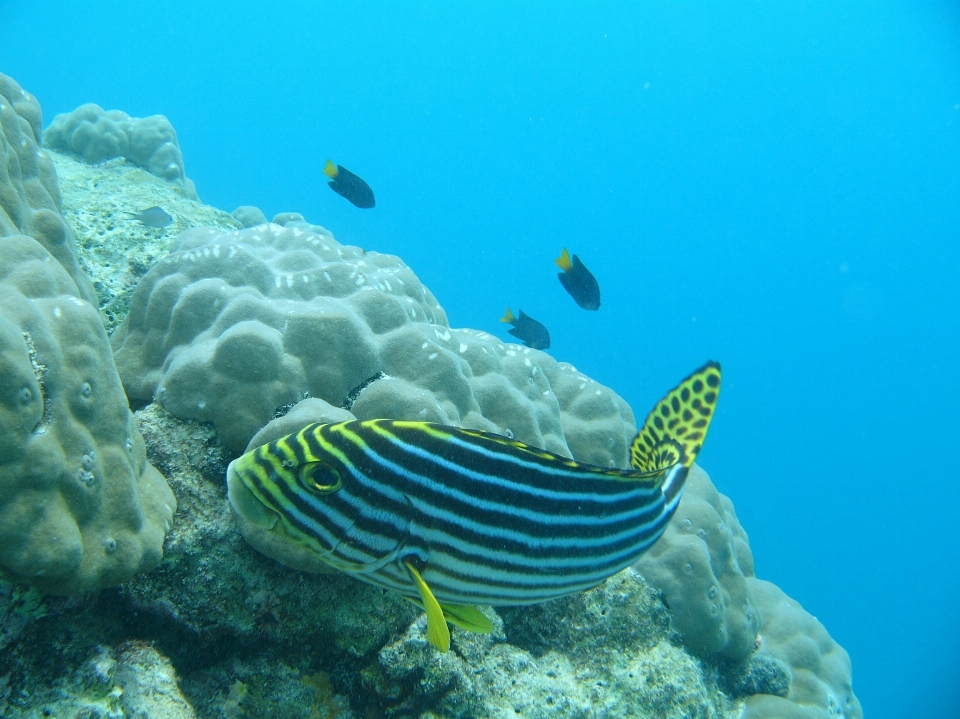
[(701, 565), (80, 507), (97, 136), (29, 195), (232, 325)]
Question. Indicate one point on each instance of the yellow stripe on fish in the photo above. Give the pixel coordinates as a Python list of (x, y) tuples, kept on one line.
[(451, 518)]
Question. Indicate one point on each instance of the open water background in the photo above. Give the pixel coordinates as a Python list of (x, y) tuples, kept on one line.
[(775, 185)]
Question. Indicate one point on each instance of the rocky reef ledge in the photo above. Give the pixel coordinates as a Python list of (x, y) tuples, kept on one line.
[(127, 589)]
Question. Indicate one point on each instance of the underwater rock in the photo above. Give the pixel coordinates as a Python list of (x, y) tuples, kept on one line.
[(116, 251)]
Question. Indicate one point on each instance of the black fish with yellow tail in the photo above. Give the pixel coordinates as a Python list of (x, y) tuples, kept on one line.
[(348, 185), (578, 281), (526, 329)]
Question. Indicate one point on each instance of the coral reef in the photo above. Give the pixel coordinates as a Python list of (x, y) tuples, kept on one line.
[(80, 507), (230, 332), (96, 136), (97, 203), (29, 193), (700, 565), (231, 325)]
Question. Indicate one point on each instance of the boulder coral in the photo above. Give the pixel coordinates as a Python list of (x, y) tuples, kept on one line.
[(820, 686), (230, 326), (701, 565), (29, 193), (97, 135), (80, 507)]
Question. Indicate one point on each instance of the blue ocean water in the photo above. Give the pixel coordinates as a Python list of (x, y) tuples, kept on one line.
[(775, 185)]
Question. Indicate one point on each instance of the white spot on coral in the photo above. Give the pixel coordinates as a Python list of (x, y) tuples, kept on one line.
[(277, 281), (582, 385), (327, 275), (424, 345), (463, 348), (206, 251), (289, 280), (527, 362), (360, 280), (216, 250), (433, 355), (546, 392), (598, 393), (57, 312), (387, 283), (304, 278)]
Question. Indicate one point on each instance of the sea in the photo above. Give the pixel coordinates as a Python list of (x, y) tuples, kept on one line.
[(774, 185)]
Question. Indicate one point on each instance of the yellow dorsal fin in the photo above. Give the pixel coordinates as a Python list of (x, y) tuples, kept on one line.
[(508, 316), (678, 424), (438, 633), (330, 170), (563, 261)]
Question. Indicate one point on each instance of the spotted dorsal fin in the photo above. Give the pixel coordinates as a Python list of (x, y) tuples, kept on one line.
[(678, 424)]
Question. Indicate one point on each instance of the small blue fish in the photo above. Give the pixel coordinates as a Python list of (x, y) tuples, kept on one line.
[(152, 217)]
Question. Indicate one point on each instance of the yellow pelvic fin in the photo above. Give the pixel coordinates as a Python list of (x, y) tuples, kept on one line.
[(465, 616), (438, 633), (677, 426), (330, 170), (563, 261), (508, 317)]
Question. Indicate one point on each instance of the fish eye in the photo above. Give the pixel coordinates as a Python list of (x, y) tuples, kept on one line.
[(319, 478)]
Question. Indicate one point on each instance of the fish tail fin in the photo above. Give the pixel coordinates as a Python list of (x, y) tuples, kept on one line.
[(330, 170), (676, 427), (563, 261), (508, 317)]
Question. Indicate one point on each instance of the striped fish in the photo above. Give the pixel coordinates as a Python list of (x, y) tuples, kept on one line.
[(451, 518)]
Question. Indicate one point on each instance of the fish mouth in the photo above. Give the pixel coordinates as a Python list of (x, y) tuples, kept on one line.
[(246, 504)]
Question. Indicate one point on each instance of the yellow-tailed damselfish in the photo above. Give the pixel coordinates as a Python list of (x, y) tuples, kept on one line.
[(578, 281), (526, 329), (348, 185)]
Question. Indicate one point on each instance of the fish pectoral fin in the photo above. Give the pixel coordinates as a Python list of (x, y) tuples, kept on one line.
[(676, 427), (330, 170), (438, 633), (467, 617)]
